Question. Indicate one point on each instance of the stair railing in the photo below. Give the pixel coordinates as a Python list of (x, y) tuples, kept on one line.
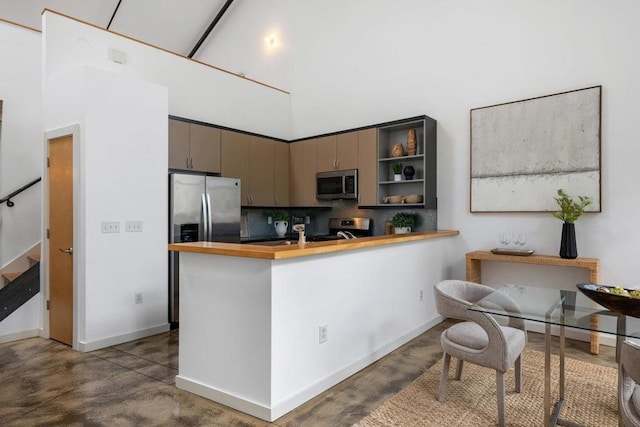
[(8, 198)]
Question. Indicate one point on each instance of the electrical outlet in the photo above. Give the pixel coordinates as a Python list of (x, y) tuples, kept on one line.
[(421, 295), (269, 220), (307, 220), (322, 334), (139, 299), (110, 226), (133, 226)]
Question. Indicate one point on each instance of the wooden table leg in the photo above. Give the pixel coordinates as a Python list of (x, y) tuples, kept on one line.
[(594, 277), (595, 336), (474, 270)]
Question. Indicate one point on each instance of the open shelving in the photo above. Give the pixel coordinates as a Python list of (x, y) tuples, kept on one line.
[(423, 162)]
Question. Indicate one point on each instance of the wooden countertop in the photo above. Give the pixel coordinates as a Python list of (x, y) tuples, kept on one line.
[(294, 250)]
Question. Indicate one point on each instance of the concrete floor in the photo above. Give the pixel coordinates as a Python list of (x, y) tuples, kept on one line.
[(132, 384)]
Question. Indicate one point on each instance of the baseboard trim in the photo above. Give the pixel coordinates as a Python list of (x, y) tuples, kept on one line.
[(17, 336), (275, 411), (119, 339)]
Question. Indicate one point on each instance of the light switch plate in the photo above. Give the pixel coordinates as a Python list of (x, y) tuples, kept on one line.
[(133, 226), (110, 226)]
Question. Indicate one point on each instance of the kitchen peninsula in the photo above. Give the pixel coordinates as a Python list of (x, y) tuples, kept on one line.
[(263, 329)]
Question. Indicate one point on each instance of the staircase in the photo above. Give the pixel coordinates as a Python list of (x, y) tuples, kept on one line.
[(20, 281), (8, 277)]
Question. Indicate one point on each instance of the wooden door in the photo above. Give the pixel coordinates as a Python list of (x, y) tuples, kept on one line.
[(61, 239), (204, 148)]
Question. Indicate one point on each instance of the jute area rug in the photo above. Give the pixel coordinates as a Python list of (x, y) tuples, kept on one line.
[(590, 397)]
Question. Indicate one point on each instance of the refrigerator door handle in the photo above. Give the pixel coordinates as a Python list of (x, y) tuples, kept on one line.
[(210, 218), (205, 218)]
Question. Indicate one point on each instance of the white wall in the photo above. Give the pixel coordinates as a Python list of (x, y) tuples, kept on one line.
[(20, 156), (196, 91), (249, 328), (362, 62), (121, 175), (20, 50)]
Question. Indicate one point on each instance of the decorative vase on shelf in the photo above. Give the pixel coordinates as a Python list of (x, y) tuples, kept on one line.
[(568, 246), (411, 143), (281, 228), (408, 172), (397, 177)]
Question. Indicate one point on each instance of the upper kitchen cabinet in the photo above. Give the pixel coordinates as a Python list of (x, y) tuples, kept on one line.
[(367, 166), (409, 188), (337, 152), (302, 169), (281, 173), (261, 164), (262, 171), (234, 151), (194, 147)]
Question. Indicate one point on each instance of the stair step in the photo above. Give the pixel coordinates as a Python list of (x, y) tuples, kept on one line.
[(10, 277), (33, 258)]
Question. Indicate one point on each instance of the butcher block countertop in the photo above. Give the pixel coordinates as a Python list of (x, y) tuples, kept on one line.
[(294, 250)]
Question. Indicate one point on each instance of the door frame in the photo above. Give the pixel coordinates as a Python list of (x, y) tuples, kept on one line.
[(78, 251)]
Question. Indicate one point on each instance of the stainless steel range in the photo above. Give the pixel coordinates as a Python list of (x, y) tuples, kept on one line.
[(345, 228)]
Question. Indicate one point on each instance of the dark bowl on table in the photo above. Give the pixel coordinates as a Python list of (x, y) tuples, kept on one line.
[(617, 303)]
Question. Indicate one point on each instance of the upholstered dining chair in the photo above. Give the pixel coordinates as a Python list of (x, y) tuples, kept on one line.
[(629, 384), (480, 339)]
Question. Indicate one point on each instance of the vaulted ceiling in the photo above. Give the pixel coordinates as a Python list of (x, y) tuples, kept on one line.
[(225, 33), (173, 25)]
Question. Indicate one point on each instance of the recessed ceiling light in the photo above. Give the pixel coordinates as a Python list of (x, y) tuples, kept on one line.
[(270, 41)]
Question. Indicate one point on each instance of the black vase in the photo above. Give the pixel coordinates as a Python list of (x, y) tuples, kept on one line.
[(408, 172), (568, 247)]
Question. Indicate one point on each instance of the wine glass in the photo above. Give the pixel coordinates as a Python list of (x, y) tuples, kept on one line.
[(505, 239), (520, 239)]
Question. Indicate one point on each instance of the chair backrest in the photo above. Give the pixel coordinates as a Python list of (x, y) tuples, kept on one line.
[(629, 383), (454, 297)]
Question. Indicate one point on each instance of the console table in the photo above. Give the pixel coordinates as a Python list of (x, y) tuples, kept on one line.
[(474, 274)]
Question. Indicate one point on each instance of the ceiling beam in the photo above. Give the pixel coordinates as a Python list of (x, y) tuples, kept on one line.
[(114, 14), (208, 31)]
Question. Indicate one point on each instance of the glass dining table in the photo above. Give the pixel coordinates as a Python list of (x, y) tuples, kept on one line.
[(557, 310)]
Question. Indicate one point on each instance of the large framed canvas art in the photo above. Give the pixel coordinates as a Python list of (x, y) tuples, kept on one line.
[(522, 152)]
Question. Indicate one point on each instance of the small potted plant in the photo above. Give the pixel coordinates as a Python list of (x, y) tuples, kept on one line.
[(280, 222), (397, 171), (570, 211), (402, 222)]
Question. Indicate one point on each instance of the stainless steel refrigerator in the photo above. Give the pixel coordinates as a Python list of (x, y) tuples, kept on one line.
[(201, 208)]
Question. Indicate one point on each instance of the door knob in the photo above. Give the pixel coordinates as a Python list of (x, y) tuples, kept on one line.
[(66, 251)]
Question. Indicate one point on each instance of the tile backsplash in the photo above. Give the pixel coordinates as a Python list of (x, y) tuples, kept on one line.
[(257, 226)]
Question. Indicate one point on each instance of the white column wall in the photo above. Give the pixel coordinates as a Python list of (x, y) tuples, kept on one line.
[(121, 170)]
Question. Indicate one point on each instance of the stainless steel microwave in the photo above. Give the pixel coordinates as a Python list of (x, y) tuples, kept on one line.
[(341, 184)]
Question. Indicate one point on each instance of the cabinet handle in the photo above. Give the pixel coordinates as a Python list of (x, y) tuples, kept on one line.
[(187, 163), (337, 163)]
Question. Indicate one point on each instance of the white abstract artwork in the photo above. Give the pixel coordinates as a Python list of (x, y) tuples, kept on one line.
[(522, 152)]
